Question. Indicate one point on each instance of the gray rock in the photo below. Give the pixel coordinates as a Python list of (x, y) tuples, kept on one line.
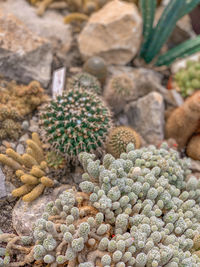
[(195, 165), (24, 55), (9, 188), (49, 26), (33, 126), (3, 192), (145, 81), (23, 138), (25, 214), (25, 125), (20, 149), (146, 116)]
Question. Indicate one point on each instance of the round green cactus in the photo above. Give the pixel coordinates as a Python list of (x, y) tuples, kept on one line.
[(76, 121), (188, 79), (86, 81)]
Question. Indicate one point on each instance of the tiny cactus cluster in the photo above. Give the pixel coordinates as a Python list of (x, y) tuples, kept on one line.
[(138, 210), (25, 98), (85, 81), (21, 244), (118, 91), (155, 37), (76, 121), (30, 168), (9, 123), (119, 138), (188, 79)]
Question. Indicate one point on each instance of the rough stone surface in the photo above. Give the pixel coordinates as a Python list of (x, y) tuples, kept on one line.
[(24, 56), (195, 165), (114, 33), (25, 214), (49, 26), (20, 149), (145, 81), (3, 192), (23, 138), (146, 116)]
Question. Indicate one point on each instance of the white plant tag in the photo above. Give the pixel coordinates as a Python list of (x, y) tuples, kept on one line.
[(58, 82)]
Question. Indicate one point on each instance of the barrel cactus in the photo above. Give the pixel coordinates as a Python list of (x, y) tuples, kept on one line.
[(119, 138), (85, 81), (76, 121)]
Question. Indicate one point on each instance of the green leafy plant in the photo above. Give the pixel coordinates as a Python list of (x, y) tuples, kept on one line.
[(155, 37)]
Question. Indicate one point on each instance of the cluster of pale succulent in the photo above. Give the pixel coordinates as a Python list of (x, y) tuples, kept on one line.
[(139, 210)]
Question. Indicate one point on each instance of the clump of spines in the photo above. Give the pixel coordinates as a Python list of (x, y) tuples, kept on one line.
[(24, 98), (118, 91), (9, 123), (55, 160), (30, 168), (76, 121), (119, 138), (85, 81), (187, 80)]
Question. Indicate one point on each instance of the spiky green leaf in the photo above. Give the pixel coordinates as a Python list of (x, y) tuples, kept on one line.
[(185, 49)]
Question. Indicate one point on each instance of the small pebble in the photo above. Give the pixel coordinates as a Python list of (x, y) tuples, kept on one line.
[(20, 149), (35, 119), (33, 128), (23, 138), (25, 125)]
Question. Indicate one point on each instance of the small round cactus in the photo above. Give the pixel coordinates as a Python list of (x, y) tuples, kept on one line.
[(75, 122), (85, 81), (119, 138), (97, 67), (119, 91), (188, 79)]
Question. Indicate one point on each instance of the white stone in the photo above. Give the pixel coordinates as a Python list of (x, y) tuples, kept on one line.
[(3, 192)]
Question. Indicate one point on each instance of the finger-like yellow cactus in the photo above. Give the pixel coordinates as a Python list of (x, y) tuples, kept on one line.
[(35, 193), (30, 168)]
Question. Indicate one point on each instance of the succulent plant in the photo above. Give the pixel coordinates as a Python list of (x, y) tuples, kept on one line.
[(119, 91), (55, 160), (24, 99), (141, 209), (85, 81), (76, 121), (155, 37), (9, 123), (187, 80), (97, 67), (119, 138)]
